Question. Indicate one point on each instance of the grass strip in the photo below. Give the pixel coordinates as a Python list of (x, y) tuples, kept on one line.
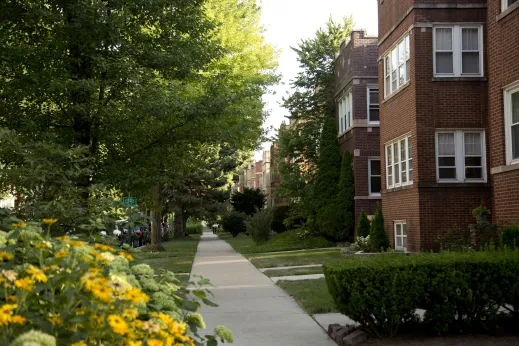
[(293, 271), (311, 295)]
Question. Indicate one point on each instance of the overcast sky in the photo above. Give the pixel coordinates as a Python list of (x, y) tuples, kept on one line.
[(288, 21)]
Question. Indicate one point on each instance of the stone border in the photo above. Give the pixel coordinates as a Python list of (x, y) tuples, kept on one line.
[(347, 335)]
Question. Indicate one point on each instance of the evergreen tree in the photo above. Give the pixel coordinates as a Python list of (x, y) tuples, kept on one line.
[(378, 240), (363, 226), (326, 183), (346, 199)]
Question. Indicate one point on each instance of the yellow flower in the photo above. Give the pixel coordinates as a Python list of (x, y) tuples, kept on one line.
[(151, 327), (54, 319), (134, 343), (102, 293), (79, 343), (5, 318), (44, 245), (36, 274), (76, 243), (12, 298), (18, 319), (98, 319), (154, 342), (103, 247), (118, 325), (80, 312), (126, 255), (61, 254), (25, 284), (137, 296), (4, 256), (49, 220), (130, 314), (63, 237), (20, 224)]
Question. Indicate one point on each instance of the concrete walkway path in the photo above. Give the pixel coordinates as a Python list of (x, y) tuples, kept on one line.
[(257, 311), (297, 277)]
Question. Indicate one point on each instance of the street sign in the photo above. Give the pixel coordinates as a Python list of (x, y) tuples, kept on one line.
[(130, 201)]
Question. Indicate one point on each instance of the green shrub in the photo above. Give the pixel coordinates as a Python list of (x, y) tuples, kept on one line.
[(510, 236), (294, 222), (363, 226), (280, 213), (377, 235), (258, 226), (346, 200), (194, 227), (234, 223), (459, 291), (248, 201)]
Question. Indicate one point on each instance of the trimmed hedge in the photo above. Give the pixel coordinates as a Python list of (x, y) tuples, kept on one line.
[(234, 223), (510, 236), (460, 292)]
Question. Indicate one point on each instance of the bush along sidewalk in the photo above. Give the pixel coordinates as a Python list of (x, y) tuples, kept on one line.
[(460, 292)]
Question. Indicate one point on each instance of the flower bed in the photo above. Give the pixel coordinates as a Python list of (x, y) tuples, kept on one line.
[(69, 292)]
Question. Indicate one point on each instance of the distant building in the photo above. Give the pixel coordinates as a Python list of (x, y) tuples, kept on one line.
[(358, 123)]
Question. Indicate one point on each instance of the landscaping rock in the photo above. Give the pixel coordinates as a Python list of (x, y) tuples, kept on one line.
[(356, 338), (333, 328)]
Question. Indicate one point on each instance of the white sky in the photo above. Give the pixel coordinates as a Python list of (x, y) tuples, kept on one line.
[(287, 22)]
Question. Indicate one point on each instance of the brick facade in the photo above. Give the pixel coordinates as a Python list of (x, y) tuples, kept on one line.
[(420, 108), (503, 55), (356, 68)]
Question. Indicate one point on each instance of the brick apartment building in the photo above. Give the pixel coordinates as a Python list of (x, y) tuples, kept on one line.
[(357, 99), (434, 87), (503, 62)]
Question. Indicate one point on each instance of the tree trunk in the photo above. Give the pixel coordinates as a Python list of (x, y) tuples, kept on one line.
[(156, 218), (185, 216), (179, 224)]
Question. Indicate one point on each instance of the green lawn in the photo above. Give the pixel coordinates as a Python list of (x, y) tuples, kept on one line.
[(294, 271), (178, 257), (270, 260), (311, 295), (280, 242)]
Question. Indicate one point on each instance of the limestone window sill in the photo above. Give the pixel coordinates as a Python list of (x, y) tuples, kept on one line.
[(507, 11)]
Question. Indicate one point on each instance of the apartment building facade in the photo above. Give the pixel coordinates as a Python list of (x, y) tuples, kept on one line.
[(503, 58), (434, 128), (358, 121)]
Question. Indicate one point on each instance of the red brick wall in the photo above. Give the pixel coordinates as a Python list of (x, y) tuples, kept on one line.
[(503, 51), (419, 109)]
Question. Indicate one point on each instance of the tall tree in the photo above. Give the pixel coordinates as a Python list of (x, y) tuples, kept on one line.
[(310, 103), (346, 199)]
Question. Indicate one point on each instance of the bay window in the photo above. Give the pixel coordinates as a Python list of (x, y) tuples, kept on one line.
[(511, 99), (399, 163), (345, 113), (397, 66)]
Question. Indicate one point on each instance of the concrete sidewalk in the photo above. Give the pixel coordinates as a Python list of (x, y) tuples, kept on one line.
[(256, 310)]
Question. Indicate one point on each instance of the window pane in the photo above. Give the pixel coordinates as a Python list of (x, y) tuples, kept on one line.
[(446, 144), (373, 97), (394, 59), (515, 108), (404, 172), (470, 62), (397, 173), (473, 161), (401, 52), (410, 148), (443, 39), (469, 39), (404, 231), (472, 144), (374, 114), (447, 161), (389, 156), (375, 167), (376, 184), (407, 48), (407, 70), (390, 180), (398, 241), (410, 171), (515, 141), (401, 75), (447, 173), (473, 173), (403, 150), (511, 2), (388, 85), (405, 242), (394, 81), (444, 63), (398, 229)]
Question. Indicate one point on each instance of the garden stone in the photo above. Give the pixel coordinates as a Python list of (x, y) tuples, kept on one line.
[(356, 338), (340, 335), (333, 328)]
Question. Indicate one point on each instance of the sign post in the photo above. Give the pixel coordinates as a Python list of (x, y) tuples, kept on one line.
[(130, 201)]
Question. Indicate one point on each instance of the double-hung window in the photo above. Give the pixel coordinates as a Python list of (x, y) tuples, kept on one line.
[(345, 113), (375, 179), (505, 4), (458, 51), (400, 236), (399, 163), (511, 98), (460, 156), (397, 66), (373, 106)]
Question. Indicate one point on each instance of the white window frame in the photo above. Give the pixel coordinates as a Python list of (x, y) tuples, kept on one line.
[(459, 145), (369, 90), (505, 6), (508, 91), (388, 66), (457, 50), (370, 176), (403, 226), (345, 112), (408, 160)]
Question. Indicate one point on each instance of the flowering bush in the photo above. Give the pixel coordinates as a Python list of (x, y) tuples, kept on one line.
[(68, 292)]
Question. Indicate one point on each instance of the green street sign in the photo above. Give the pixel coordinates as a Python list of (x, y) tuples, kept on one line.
[(130, 201)]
